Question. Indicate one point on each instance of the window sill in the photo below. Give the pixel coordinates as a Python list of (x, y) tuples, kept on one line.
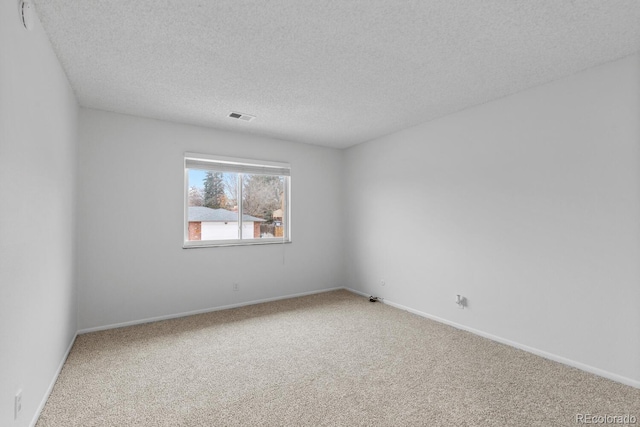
[(212, 244)]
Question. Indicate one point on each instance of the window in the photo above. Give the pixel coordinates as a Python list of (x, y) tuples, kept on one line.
[(230, 201)]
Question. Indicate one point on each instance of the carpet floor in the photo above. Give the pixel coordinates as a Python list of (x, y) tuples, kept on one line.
[(321, 360)]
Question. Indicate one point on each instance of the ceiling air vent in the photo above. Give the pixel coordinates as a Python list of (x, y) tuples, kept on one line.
[(241, 116)]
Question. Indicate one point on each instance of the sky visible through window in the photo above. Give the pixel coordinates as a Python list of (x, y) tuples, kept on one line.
[(196, 178)]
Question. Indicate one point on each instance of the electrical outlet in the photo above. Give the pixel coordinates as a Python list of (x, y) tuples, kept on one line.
[(236, 287), (17, 404)]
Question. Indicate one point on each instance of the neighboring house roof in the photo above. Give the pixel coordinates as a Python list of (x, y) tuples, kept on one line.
[(203, 214)]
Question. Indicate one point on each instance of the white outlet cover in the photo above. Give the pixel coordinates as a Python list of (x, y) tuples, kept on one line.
[(17, 404)]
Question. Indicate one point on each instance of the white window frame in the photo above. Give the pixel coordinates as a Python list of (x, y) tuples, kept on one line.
[(239, 166)]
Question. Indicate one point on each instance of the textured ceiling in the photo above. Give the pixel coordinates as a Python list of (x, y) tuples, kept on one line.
[(333, 73)]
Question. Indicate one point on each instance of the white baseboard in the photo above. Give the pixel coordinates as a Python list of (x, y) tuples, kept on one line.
[(205, 310), (358, 292), (155, 319), (43, 402), (537, 352), (532, 350)]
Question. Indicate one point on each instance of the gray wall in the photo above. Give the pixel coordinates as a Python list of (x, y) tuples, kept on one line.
[(527, 205), (131, 264), (38, 115)]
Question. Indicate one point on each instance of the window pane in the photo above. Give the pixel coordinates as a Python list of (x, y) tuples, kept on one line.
[(212, 205), (263, 205)]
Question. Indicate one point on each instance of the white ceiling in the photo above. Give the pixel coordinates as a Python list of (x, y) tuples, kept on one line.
[(333, 73)]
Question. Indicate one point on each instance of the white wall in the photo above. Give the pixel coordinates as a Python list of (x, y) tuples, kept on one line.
[(247, 230), (134, 267), (38, 115), (529, 207), (220, 230), (210, 230)]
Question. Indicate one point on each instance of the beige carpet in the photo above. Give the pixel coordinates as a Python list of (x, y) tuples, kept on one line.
[(327, 359)]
